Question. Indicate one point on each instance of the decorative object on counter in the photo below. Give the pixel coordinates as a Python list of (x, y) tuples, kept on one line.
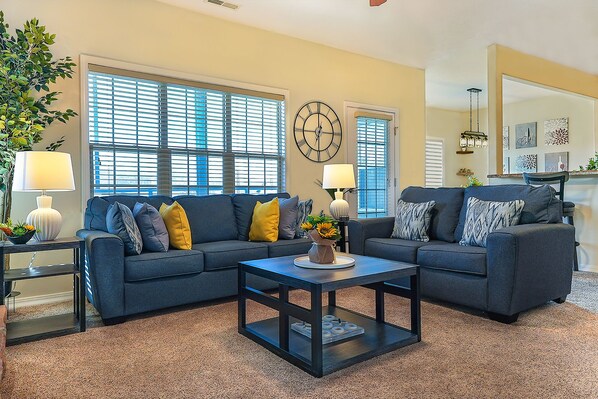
[(592, 164), (18, 233), (44, 171), (464, 172), (505, 138), (470, 138), (506, 165), (323, 230), (333, 329), (556, 161), (339, 177), (556, 131), (473, 181), (526, 135), (526, 163)]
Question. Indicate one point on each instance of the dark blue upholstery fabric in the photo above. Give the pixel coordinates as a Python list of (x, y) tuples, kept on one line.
[(445, 215), (395, 248), (227, 254), (244, 205), (212, 217), (362, 229), (152, 265), (529, 265), (120, 222), (453, 257), (460, 288), (541, 204), (97, 207), (297, 246), (152, 228)]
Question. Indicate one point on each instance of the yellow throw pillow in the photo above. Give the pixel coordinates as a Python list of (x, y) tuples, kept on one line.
[(264, 224), (177, 224)]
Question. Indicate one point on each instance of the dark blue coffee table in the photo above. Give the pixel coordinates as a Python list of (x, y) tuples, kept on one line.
[(310, 354)]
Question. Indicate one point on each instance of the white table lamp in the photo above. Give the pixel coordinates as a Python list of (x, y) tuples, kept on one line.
[(44, 171), (339, 177)]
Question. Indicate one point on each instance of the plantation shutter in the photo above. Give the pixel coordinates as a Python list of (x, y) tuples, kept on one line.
[(434, 163), (154, 135)]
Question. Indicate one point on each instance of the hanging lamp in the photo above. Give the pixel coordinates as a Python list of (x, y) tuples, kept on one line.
[(470, 138)]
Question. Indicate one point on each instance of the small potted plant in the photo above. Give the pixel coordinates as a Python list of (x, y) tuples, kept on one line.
[(18, 233), (324, 232)]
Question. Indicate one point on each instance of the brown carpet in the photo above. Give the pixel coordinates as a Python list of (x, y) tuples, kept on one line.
[(551, 352)]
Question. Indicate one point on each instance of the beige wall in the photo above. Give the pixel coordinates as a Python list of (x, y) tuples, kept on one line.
[(154, 34), (580, 112), (448, 125)]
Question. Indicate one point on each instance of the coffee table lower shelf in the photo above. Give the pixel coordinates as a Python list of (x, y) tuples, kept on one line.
[(379, 338)]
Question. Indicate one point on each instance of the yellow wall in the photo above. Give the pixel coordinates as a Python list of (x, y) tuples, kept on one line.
[(506, 61), (154, 34)]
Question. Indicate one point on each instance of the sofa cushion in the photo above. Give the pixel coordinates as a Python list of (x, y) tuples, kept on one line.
[(97, 207), (412, 220), (152, 265), (243, 209), (445, 215), (394, 248), (297, 246), (453, 257), (211, 217), (120, 221), (151, 226), (541, 204), (227, 254)]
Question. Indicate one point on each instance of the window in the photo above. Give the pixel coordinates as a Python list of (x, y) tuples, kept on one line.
[(150, 134), (434, 163), (373, 159)]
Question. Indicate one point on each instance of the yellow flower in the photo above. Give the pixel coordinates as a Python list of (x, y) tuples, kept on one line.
[(29, 227), (307, 226), (326, 230)]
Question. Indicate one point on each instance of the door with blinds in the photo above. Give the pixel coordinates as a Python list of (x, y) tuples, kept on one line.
[(371, 148), (434, 163)]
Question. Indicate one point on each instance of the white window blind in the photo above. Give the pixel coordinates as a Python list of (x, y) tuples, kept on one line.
[(434, 163), (372, 167), (154, 135)]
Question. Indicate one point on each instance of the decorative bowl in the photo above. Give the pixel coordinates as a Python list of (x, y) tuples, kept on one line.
[(21, 239)]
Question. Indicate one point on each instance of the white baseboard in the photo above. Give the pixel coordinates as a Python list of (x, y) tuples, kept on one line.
[(589, 268), (42, 299)]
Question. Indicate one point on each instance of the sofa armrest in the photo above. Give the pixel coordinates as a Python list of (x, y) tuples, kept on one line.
[(362, 229), (105, 272), (529, 265)]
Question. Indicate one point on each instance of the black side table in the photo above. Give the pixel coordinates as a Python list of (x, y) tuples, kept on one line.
[(51, 326), (341, 244)]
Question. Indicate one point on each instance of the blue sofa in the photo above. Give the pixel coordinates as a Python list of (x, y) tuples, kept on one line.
[(120, 286), (522, 266)]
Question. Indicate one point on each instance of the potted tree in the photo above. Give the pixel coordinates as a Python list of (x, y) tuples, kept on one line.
[(27, 71)]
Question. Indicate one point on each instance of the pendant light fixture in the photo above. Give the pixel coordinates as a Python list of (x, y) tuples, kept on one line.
[(470, 138)]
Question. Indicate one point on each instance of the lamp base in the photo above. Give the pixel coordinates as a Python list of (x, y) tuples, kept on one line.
[(339, 208), (47, 221)]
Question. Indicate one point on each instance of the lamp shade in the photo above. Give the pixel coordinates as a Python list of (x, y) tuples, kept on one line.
[(338, 176), (43, 171)]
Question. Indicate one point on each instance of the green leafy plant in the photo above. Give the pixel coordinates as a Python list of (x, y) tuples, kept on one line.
[(592, 163), (27, 71), (331, 191), (325, 226), (16, 229), (473, 181)]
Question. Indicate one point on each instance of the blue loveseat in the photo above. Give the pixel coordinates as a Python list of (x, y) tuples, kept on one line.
[(522, 266), (119, 285)]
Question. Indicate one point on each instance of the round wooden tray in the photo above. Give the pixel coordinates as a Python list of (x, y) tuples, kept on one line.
[(341, 262)]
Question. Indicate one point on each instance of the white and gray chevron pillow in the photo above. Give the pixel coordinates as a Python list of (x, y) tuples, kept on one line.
[(483, 217), (412, 220)]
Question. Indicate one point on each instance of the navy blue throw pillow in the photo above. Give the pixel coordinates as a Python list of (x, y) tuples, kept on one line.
[(120, 221), (152, 227)]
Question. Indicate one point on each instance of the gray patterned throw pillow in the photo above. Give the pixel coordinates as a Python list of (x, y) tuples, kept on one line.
[(120, 221), (483, 217), (303, 211), (412, 220)]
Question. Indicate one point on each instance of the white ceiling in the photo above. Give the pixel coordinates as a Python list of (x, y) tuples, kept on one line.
[(447, 38)]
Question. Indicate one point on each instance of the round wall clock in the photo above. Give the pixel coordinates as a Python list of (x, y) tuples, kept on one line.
[(318, 131)]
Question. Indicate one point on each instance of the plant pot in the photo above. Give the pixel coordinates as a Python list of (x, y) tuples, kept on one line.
[(21, 239), (321, 253)]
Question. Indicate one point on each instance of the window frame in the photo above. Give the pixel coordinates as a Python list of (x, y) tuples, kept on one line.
[(86, 60), (393, 150)]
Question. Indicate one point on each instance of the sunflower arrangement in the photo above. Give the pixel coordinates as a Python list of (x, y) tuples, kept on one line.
[(16, 230), (323, 226)]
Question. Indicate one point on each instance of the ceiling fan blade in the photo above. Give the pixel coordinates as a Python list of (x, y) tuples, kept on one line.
[(375, 3)]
